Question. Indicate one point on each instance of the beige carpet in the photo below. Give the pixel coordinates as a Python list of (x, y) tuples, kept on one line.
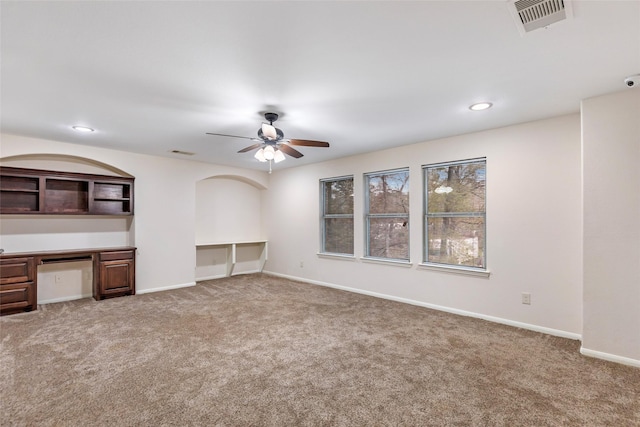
[(262, 351)]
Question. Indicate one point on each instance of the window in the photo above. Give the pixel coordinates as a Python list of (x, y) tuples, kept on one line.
[(455, 213), (337, 215), (387, 214)]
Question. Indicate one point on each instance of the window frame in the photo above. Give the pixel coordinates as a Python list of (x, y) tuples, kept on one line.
[(483, 271), (324, 216), (368, 215)]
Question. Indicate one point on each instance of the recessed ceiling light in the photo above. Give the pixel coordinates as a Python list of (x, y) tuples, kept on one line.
[(480, 106), (82, 129)]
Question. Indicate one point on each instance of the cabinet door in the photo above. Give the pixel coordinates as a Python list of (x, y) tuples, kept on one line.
[(116, 278)]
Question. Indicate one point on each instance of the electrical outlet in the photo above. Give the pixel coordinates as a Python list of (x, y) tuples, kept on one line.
[(301, 264), (58, 278), (526, 298)]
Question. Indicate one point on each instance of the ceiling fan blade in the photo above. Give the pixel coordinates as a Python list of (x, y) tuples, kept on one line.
[(308, 143), (233, 136), (290, 151), (251, 147)]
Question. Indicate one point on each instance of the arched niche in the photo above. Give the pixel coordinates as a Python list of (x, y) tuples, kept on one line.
[(228, 209), (28, 233), (62, 163), (240, 178)]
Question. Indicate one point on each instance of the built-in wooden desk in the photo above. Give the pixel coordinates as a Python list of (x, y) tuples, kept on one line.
[(113, 274)]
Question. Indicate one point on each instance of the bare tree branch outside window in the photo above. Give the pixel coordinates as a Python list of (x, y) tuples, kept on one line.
[(455, 213), (337, 215), (387, 214)]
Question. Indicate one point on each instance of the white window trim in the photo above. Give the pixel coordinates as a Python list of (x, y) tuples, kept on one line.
[(332, 255), (368, 216), (323, 217), (451, 268), (387, 261), (454, 269)]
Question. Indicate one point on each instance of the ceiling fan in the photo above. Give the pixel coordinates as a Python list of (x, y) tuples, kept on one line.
[(272, 142)]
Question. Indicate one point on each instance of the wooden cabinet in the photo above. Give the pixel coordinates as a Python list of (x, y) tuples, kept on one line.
[(17, 284), (34, 191), (115, 274)]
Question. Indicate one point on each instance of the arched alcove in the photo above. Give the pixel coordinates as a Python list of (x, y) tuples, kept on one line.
[(228, 224), (240, 178), (62, 163), (34, 232), (228, 209)]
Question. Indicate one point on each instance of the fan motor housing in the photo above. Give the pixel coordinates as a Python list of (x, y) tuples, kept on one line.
[(271, 117)]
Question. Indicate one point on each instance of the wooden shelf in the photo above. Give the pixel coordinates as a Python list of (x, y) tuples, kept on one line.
[(15, 190), (34, 191)]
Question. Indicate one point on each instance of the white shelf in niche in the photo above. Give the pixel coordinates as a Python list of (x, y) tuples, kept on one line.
[(232, 252)]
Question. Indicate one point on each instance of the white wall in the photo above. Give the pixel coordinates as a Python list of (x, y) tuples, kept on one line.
[(228, 210), (65, 281), (533, 226), (611, 174), (163, 228)]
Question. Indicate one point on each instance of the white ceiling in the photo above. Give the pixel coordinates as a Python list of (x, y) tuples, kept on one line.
[(151, 77)]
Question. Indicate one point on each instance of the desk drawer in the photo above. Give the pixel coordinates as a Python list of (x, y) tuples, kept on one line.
[(16, 270), (116, 255), (17, 297)]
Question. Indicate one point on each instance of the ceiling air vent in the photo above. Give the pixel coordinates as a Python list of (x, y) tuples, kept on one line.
[(184, 153), (533, 14)]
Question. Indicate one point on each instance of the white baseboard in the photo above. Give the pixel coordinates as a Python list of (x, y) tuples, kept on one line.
[(238, 273), (536, 328), (222, 276), (217, 276), (166, 288), (610, 357), (63, 299)]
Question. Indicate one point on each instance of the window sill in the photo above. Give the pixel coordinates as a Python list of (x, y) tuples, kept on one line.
[(454, 269), (345, 257), (396, 262)]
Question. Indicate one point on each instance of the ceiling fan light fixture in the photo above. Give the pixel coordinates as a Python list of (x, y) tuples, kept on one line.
[(278, 156), (260, 155), (269, 152), (269, 132), (271, 145)]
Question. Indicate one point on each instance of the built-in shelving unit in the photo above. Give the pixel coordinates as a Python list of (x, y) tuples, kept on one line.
[(34, 191), (232, 252)]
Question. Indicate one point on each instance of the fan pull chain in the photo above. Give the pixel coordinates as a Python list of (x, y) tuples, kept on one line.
[(269, 167)]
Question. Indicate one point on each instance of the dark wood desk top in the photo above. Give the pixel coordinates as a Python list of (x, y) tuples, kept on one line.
[(65, 252)]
